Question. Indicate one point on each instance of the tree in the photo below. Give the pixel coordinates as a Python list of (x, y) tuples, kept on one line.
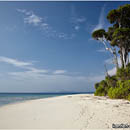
[(120, 18), (121, 38), (118, 35), (105, 38)]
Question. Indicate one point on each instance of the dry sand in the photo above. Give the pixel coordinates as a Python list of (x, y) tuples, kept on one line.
[(83, 111)]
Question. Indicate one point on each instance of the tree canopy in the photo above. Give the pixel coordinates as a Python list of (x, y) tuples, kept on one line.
[(117, 35)]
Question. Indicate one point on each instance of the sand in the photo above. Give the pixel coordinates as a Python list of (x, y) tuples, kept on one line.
[(81, 111)]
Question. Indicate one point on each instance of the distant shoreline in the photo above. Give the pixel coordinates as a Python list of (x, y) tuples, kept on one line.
[(45, 92), (11, 98)]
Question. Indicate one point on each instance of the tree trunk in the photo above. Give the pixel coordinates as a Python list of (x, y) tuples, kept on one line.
[(121, 56), (124, 53), (116, 59), (128, 58)]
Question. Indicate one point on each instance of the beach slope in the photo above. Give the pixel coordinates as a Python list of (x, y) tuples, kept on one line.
[(81, 111)]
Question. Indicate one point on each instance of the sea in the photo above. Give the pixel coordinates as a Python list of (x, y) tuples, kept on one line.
[(9, 98)]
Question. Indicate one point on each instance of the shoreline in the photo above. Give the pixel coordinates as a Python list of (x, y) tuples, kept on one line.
[(28, 100), (24, 101), (44, 94), (79, 111)]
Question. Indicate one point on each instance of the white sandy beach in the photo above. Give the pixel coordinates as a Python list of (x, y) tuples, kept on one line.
[(83, 111)]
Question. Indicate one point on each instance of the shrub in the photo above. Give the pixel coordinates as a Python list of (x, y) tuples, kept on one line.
[(96, 85), (121, 74), (101, 88), (124, 74), (128, 97), (100, 91), (117, 86), (111, 81), (120, 92)]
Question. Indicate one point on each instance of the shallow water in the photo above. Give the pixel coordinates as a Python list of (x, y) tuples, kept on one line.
[(8, 98)]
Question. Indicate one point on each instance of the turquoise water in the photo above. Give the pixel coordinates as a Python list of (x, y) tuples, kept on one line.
[(8, 98)]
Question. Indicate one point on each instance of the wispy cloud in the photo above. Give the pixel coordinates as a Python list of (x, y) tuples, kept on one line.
[(14, 62), (35, 70), (101, 50), (76, 20), (41, 22), (33, 19), (35, 79), (59, 72), (77, 27), (22, 64), (101, 21)]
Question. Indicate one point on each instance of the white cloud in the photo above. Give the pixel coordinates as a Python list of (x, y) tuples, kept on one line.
[(59, 72), (45, 26), (33, 19), (14, 62), (101, 22), (21, 10), (30, 17), (34, 79), (101, 50), (28, 81), (77, 27), (35, 70), (22, 64), (81, 19), (61, 35), (41, 22), (76, 20)]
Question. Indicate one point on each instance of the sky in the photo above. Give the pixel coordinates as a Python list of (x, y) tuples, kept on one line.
[(47, 46)]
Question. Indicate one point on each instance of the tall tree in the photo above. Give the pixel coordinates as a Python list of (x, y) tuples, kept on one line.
[(118, 35), (105, 38), (120, 18)]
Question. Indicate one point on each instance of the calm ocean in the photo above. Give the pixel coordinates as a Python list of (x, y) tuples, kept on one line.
[(8, 98)]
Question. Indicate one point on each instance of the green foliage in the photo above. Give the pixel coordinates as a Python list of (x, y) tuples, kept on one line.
[(113, 15), (96, 85), (122, 15), (125, 12), (128, 97), (101, 88), (121, 91), (117, 86), (120, 37), (110, 33), (124, 74), (98, 34), (111, 81), (116, 36), (100, 91)]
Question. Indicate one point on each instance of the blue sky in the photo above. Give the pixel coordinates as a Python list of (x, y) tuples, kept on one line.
[(47, 46)]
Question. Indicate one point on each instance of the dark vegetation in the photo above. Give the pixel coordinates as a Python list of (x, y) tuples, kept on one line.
[(117, 41), (117, 86)]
